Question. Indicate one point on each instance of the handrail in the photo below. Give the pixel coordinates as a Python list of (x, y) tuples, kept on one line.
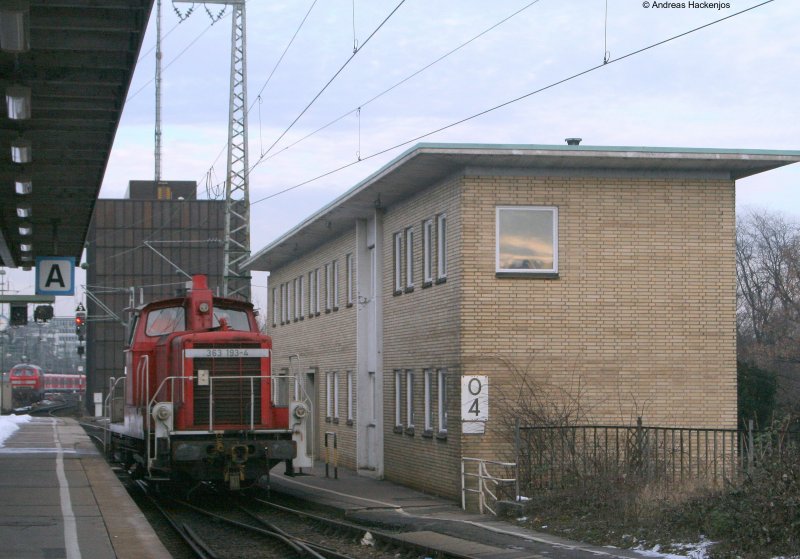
[(110, 396), (486, 482), (107, 411), (175, 379), (181, 378)]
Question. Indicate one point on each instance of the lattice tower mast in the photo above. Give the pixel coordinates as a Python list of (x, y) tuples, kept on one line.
[(157, 175), (237, 191)]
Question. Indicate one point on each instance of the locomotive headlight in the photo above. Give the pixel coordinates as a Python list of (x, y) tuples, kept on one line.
[(203, 307), (162, 412), (300, 410)]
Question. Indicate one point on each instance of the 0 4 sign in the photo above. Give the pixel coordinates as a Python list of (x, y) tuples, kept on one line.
[(474, 403)]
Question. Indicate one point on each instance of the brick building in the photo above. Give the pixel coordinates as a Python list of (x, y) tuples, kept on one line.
[(135, 249), (600, 279)]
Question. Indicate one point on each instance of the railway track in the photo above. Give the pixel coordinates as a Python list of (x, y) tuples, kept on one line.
[(253, 524), (217, 524), (214, 527)]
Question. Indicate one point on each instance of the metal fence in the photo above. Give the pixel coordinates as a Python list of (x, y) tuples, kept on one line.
[(573, 456)]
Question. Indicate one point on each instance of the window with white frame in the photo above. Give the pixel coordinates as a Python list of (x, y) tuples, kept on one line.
[(410, 259), (316, 291), (301, 299), (349, 396), (294, 299), (527, 240), (288, 302), (398, 262), (335, 283), (328, 395), (350, 278), (398, 400), (442, 400), (427, 252), (274, 306), (336, 396), (280, 388), (311, 292), (328, 292), (427, 379), (441, 247), (280, 303), (409, 399), (283, 303)]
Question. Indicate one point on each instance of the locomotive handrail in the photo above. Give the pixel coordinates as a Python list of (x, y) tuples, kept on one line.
[(173, 379), (181, 378), (107, 412)]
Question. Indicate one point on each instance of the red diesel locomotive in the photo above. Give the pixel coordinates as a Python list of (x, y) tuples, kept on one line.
[(27, 383), (197, 402)]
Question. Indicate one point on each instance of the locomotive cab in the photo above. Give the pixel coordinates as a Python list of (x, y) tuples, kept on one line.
[(199, 400)]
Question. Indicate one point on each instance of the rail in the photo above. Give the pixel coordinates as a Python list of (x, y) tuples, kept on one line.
[(489, 485)]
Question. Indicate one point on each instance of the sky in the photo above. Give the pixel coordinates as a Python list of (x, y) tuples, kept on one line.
[(422, 67)]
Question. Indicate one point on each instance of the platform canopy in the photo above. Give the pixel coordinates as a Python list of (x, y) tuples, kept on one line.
[(65, 70)]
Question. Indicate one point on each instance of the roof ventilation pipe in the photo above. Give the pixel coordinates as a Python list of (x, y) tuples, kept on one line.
[(573, 141)]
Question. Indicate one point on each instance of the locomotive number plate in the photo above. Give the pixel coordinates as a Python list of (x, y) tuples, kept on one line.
[(227, 352)]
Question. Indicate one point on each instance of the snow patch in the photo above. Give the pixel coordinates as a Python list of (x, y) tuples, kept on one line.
[(697, 550), (9, 424)]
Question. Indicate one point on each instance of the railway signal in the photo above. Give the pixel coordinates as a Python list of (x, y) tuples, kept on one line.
[(43, 313), (19, 314), (80, 322)]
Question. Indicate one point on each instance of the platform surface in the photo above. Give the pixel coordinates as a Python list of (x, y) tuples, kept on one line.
[(59, 498), (440, 524)]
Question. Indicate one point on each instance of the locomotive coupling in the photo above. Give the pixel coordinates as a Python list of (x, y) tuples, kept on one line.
[(239, 453)]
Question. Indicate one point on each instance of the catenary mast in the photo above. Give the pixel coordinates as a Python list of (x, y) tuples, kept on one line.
[(237, 192)]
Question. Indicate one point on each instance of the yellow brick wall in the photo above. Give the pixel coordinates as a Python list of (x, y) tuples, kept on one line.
[(326, 342), (641, 320), (421, 330)]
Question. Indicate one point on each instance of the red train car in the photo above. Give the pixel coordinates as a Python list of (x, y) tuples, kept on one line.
[(27, 383), (64, 383), (197, 401)]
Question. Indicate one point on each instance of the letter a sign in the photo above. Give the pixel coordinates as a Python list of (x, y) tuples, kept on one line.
[(55, 275)]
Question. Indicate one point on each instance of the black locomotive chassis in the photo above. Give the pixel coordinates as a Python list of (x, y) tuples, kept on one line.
[(209, 457)]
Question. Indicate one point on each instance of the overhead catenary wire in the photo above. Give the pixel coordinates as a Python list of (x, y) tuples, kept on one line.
[(264, 154), (330, 81), (396, 84), (269, 78), (174, 60), (481, 113), (569, 78)]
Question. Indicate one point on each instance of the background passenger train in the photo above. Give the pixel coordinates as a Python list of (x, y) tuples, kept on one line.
[(64, 383)]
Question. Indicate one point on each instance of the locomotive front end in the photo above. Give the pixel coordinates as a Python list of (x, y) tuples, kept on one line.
[(200, 401), (226, 426)]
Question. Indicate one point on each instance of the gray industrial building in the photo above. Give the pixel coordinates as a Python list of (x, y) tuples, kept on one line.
[(137, 250)]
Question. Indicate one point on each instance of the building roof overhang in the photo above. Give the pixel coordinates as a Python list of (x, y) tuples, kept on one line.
[(426, 164), (77, 70)]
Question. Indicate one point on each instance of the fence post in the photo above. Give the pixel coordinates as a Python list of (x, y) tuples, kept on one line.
[(328, 455), (516, 457), (463, 486)]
